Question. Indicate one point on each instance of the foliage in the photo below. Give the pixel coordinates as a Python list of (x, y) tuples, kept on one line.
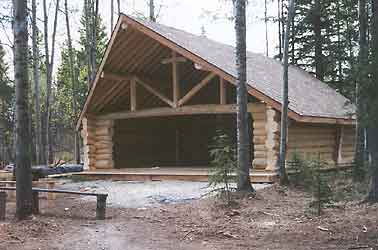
[(223, 165), (6, 109), (321, 190), (339, 41), (308, 175)]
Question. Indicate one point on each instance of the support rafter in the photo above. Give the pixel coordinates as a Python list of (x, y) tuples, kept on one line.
[(196, 88)]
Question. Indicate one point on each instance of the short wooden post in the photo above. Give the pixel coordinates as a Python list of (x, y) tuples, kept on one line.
[(101, 206), (51, 185), (35, 202), (11, 193), (3, 202)]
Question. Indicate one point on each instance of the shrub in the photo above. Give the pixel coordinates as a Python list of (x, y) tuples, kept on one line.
[(223, 165), (307, 174)]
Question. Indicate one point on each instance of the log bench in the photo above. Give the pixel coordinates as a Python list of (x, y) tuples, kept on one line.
[(100, 208)]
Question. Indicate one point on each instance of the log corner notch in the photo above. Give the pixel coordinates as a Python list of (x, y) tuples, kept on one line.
[(266, 129), (98, 143)]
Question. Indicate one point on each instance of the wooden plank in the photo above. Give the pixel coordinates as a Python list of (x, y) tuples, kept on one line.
[(133, 95), (196, 88), (176, 59), (144, 83), (175, 80), (115, 77), (222, 91)]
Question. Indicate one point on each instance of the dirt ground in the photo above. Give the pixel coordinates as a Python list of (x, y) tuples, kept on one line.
[(275, 219)]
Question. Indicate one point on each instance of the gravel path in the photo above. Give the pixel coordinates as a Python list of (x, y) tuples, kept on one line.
[(144, 194)]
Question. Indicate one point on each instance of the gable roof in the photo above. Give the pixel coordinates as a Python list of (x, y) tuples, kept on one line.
[(309, 99)]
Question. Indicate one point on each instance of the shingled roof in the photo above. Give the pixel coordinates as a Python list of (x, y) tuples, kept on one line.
[(308, 97)]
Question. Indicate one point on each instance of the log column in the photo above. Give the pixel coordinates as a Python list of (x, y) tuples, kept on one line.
[(272, 139), (98, 143), (88, 133), (258, 111)]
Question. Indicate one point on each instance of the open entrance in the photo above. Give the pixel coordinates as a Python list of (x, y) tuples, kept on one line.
[(168, 141)]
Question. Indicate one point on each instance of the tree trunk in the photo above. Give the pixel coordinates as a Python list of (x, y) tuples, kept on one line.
[(49, 68), (358, 171), (285, 97), (372, 115), (119, 6), (88, 34), (373, 150), (23, 142), (152, 11), (266, 28), (36, 78), (94, 10), (279, 31), (74, 84), (111, 16), (318, 40), (243, 140)]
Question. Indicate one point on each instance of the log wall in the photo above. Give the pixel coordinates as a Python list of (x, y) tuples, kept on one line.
[(98, 143), (332, 143), (348, 145)]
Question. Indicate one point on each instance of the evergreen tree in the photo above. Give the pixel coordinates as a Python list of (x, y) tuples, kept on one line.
[(325, 40), (101, 42), (6, 109)]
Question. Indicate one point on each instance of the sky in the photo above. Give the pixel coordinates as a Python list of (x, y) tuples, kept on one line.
[(189, 15)]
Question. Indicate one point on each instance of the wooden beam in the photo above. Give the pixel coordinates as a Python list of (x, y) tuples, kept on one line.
[(114, 77), (173, 59), (144, 83), (222, 91), (167, 111), (338, 157), (196, 88), (175, 80), (133, 100)]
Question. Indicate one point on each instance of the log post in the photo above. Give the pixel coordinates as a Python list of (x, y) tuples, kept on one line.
[(133, 95), (272, 128), (337, 155), (101, 206), (35, 202), (175, 80), (3, 202), (222, 91)]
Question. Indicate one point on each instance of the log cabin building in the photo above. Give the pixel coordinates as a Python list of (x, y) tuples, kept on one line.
[(160, 95)]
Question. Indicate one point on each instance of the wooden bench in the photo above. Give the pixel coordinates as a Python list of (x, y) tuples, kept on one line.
[(100, 208), (48, 183)]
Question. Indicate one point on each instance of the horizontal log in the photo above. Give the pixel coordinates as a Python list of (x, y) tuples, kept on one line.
[(104, 164), (103, 146), (104, 123), (104, 157), (103, 131), (104, 151)]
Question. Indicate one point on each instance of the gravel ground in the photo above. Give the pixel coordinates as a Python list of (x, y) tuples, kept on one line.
[(129, 194)]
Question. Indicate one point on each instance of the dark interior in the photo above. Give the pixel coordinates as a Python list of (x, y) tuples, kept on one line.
[(168, 141)]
